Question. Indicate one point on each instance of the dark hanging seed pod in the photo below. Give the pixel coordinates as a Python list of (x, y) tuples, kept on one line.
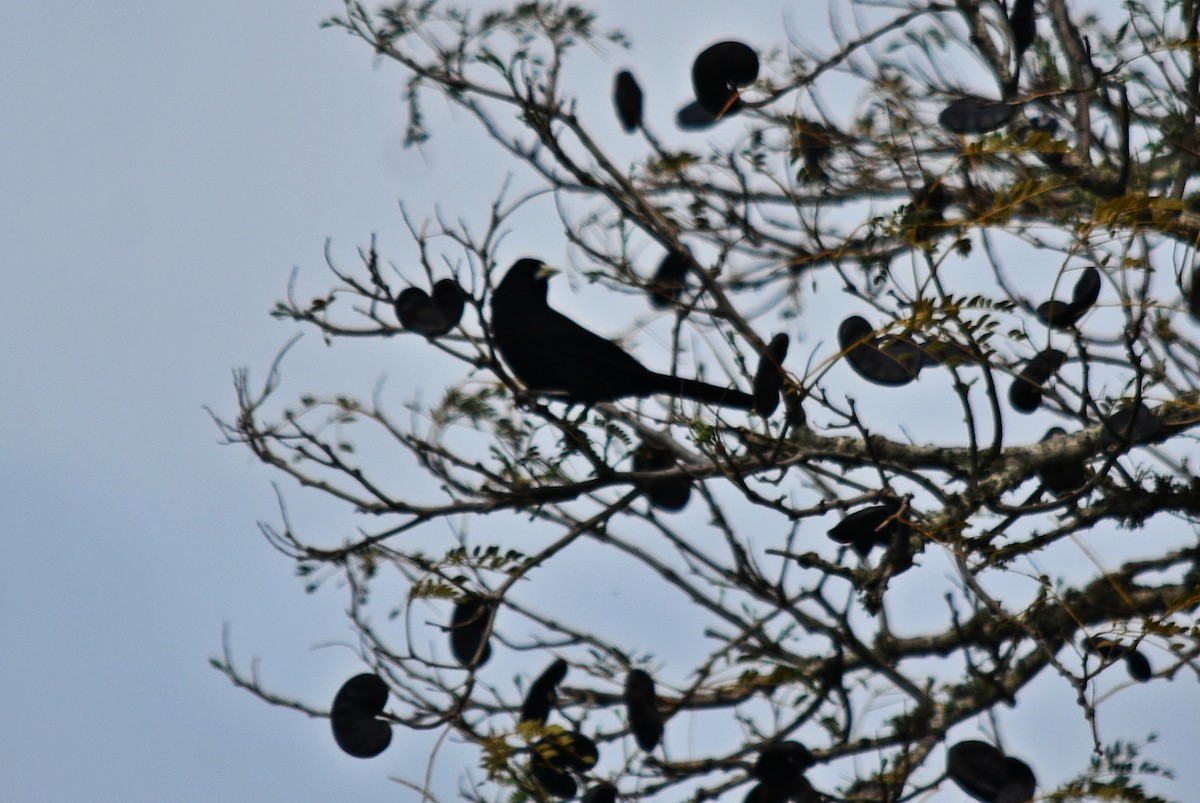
[(1064, 315), (892, 363), (555, 781), (718, 72), (1062, 477), (627, 97), (1087, 289), (354, 716), (1193, 294), (543, 693), (669, 495), (1025, 393), (670, 280), (1108, 649), (567, 750), (432, 317), (694, 117), (469, 628), (1132, 425), (868, 527), (768, 379), (641, 703), (600, 793), (1138, 666), (987, 775), (976, 115)]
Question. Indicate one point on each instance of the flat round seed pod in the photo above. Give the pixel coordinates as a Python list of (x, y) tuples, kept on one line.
[(543, 693), (566, 750), (641, 704), (669, 495), (881, 363), (600, 793), (469, 628), (432, 317), (868, 527), (1138, 666), (627, 98), (670, 280), (694, 117), (1087, 288), (1062, 477), (1025, 393), (984, 773), (556, 782), (718, 72), (768, 378), (1132, 425), (354, 716), (1065, 314), (1107, 648), (782, 765), (976, 115)]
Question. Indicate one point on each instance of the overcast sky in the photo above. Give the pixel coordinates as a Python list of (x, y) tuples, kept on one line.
[(163, 168)]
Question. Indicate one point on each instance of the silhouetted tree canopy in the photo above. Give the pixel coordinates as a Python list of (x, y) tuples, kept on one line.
[(947, 249)]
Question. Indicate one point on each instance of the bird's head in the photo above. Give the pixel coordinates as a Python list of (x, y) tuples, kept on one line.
[(527, 278)]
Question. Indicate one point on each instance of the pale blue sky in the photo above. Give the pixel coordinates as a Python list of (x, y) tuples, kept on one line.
[(163, 167)]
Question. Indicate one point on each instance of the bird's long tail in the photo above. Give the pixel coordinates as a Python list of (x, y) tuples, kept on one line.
[(703, 392)]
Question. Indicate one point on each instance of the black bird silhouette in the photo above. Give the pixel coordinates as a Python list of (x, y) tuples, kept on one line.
[(552, 354)]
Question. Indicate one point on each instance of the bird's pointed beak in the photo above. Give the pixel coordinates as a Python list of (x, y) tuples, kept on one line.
[(546, 271)]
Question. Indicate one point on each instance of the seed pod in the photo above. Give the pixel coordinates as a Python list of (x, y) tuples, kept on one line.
[(768, 379), (1062, 477), (1065, 314), (987, 775), (469, 629), (892, 362), (669, 495), (543, 693), (670, 280), (976, 115), (354, 716), (868, 527), (432, 317), (641, 703), (627, 97), (718, 72), (1025, 393)]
